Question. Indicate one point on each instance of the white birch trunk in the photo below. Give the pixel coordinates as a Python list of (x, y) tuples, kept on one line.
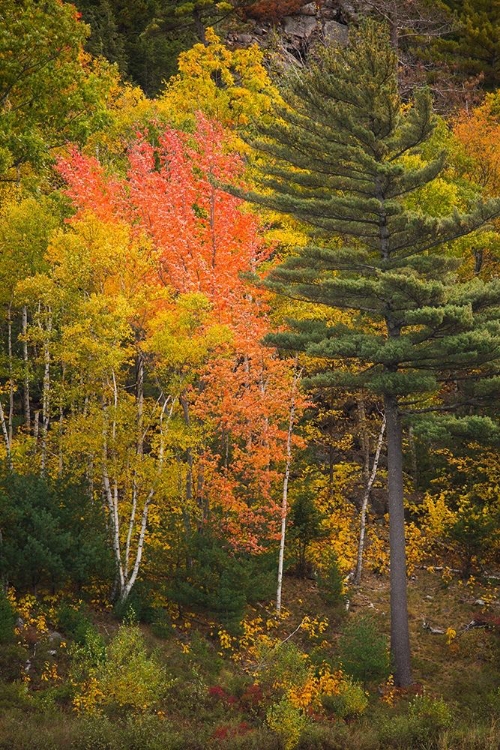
[(46, 394), (26, 395), (5, 432), (284, 501), (111, 500), (127, 563), (11, 375), (364, 505)]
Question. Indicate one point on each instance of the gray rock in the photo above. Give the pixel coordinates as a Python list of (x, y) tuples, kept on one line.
[(245, 39), (55, 638), (308, 10), (299, 26), (335, 32), (348, 9)]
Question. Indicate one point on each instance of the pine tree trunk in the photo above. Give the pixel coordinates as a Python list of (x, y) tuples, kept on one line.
[(400, 638)]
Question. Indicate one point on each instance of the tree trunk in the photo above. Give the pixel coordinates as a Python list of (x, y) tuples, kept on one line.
[(140, 404), (46, 392), (199, 26), (6, 437), (364, 439), (284, 504), (26, 395), (364, 505), (189, 460), (11, 375), (400, 638)]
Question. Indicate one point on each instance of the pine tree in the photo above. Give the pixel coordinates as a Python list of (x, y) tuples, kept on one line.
[(338, 160), (104, 40), (474, 46)]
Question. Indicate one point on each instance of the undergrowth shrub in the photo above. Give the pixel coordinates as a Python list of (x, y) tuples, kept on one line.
[(280, 667), (364, 651), (287, 721), (129, 678), (12, 695), (331, 586), (52, 534), (7, 619), (12, 661), (161, 625), (350, 700), (338, 736), (221, 582), (426, 719), (73, 620), (121, 677)]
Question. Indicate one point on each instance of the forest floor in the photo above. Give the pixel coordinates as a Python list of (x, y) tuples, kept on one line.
[(219, 696)]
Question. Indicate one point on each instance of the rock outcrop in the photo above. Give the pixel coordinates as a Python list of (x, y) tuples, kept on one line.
[(326, 20)]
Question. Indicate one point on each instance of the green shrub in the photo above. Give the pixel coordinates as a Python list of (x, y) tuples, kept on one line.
[(52, 698), (426, 719), (7, 619), (321, 737), (350, 701), (305, 527), (73, 620), (260, 738), (94, 733), (138, 606), (121, 677), (12, 661), (287, 721), (433, 714), (52, 533), (12, 695), (331, 585), (221, 581), (363, 650), (87, 657), (22, 730), (130, 678), (283, 666), (205, 655), (474, 532), (146, 733), (161, 625)]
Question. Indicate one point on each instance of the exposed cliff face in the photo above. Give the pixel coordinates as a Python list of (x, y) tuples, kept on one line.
[(325, 20)]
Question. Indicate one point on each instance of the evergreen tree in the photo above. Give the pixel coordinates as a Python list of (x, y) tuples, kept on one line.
[(474, 46), (105, 39), (337, 159), (145, 37)]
